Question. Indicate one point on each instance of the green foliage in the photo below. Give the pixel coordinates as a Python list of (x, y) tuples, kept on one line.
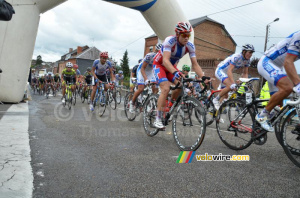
[(39, 60), (253, 62), (125, 64)]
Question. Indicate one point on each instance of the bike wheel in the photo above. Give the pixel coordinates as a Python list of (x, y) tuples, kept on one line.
[(65, 103), (290, 137), (82, 96), (74, 98), (235, 124), (112, 100), (150, 108), (118, 97), (128, 97), (69, 100), (100, 103), (209, 108), (189, 124)]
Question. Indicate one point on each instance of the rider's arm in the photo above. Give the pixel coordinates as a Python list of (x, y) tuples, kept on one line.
[(143, 70), (166, 62), (290, 69), (196, 67), (93, 72)]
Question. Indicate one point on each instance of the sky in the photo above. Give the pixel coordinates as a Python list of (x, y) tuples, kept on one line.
[(114, 28)]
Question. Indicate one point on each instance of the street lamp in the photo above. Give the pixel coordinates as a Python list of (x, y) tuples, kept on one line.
[(267, 33)]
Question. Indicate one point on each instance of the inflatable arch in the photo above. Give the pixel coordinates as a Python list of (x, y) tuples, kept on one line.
[(17, 37)]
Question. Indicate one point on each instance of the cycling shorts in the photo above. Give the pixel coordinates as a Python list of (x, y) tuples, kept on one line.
[(162, 74)]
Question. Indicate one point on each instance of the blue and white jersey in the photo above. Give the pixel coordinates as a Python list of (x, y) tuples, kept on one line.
[(177, 51), (78, 72), (119, 77), (149, 60), (101, 69), (290, 45), (236, 59)]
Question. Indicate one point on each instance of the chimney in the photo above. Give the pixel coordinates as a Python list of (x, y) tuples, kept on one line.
[(79, 50), (70, 50)]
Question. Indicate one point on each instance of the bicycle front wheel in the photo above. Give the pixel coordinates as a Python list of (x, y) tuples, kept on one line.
[(149, 116), (100, 103), (112, 100), (189, 124), (235, 124), (210, 109), (130, 116), (290, 137)]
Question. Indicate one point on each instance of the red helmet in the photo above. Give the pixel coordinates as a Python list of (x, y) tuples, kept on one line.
[(75, 66), (183, 27), (104, 54)]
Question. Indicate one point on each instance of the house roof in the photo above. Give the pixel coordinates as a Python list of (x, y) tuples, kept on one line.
[(198, 21), (73, 54)]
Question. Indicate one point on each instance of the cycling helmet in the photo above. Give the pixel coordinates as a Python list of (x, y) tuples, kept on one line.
[(248, 47), (120, 72), (104, 54), (186, 68), (140, 60), (158, 46), (69, 64), (89, 69), (75, 66), (183, 27), (56, 74), (49, 73), (151, 48)]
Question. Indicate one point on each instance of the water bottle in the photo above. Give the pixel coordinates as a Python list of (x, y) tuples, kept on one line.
[(274, 112)]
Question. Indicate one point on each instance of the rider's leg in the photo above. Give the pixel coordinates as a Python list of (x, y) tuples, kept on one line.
[(140, 89)]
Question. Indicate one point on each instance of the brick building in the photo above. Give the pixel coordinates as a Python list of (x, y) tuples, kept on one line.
[(213, 44)]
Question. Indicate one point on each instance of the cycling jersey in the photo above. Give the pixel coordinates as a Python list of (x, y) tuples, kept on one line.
[(177, 51), (237, 60), (119, 77), (134, 69), (48, 78), (56, 78), (101, 68), (88, 77), (68, 73), (78, 72), (172, 45), (271, 65), (289, 45), (42, 80)]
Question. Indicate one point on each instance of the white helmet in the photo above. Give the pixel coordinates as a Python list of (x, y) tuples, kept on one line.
[(248, 47), (69, 64), (49, 73), (158, 46)]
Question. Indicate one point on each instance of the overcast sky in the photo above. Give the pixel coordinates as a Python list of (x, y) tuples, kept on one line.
[(113, 28)]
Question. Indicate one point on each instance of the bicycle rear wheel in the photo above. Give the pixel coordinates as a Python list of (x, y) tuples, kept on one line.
[(128, 97), (82, 96), (69, 99), (210, 109), (189, 124), (74, 97), (118, 97), (290, 137), (235, 124), (150, 108)]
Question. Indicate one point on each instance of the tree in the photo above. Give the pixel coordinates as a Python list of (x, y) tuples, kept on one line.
[(125, 64), (39, 60)]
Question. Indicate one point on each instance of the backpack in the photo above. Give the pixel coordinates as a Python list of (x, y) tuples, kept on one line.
[(6, 11)]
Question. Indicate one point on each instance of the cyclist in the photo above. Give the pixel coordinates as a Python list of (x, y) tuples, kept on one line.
[(49, 81), (88, 78), (270, 66), (189, 86), (133, 75), (33, 81), (68, 75), (144, 76), (119, 78), (99, 72), (224, 71), (173, 49), (41, 82), (57, 81)]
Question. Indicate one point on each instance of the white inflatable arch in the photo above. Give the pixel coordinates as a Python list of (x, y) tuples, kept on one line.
[(17, 37)]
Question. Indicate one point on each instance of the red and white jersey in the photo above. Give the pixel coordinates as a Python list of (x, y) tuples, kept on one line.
[(172, 45)]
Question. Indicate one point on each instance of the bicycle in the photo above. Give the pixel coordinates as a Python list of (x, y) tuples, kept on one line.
[(86, 95), (118, 94), (180, 113), (139, 103), (69, 95), (100, 99), (111, 96)]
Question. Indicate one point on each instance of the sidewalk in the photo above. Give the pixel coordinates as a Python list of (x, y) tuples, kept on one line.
[(16, 179)]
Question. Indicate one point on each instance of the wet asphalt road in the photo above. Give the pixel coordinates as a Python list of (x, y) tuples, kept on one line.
[(77, 154)]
